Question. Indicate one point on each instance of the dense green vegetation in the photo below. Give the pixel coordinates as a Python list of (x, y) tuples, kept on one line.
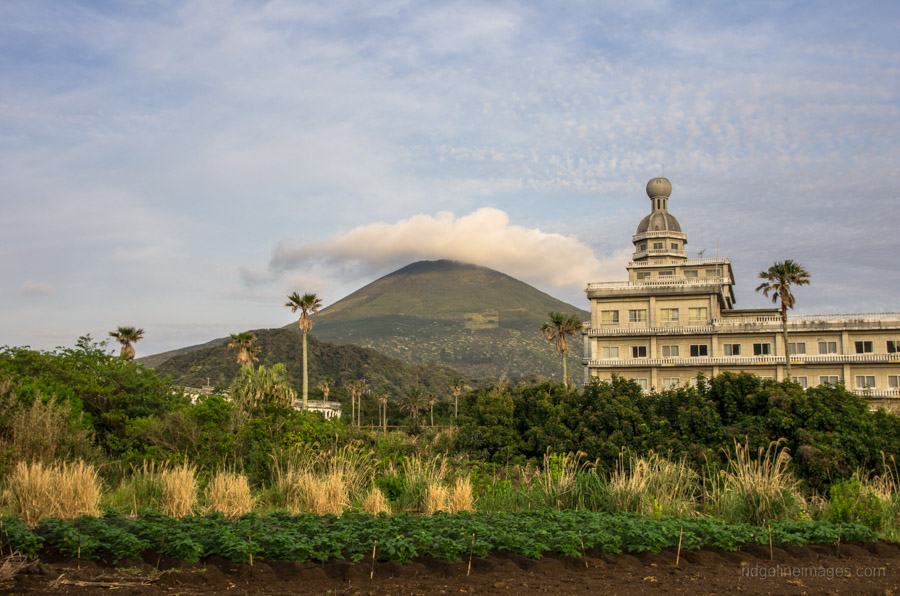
[(401, 538), (829, 431)]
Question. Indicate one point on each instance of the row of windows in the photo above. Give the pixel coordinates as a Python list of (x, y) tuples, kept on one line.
[(668, 315), (659, 246), (862, 381)]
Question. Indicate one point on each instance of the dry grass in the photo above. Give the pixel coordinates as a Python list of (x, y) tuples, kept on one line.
[(12, 565), (420, 474), (179, 490), (756, 490), (437, 498), (324, 482), (556, 480), (375, 502), (229, 493), (460, 498), (67, 490), (652, 485)]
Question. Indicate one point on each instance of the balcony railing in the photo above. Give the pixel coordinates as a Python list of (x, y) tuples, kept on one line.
[(667, 281), (720, 262), (660, 252), (768, 323), (799, 359)]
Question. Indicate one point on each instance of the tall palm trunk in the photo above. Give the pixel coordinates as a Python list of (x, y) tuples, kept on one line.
[(565, 375), (784, 336), (305, 375)]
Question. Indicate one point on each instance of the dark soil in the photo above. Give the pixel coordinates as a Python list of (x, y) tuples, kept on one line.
[(855, 568)]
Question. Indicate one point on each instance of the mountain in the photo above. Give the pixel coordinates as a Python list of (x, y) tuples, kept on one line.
[(470, 318), (478, 321), (218, 365)]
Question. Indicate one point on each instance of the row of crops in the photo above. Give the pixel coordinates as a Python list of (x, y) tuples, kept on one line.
[(402, 537)]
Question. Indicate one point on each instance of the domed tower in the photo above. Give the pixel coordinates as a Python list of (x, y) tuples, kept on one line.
[(659, 239)]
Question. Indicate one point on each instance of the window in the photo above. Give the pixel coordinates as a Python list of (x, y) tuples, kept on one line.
[(674, 246), (657, 245), (642, 247), (642, 383), (893, 346), (671, 383), (698, 314), (894, 381), (797, 347), (609, 316), (698, 350), (643, 275), (800, 381), (666, 273), (610, 351), (864, 347), (731, 349), (668, 315), (691, 273), (762, 349), (829, 380), (712, 273), (638, 351), (827, 347), (637, 316), (865, 382), (670, 351)]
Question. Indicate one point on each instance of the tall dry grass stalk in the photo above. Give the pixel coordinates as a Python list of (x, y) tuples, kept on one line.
[(229, 493), (324, 482), (375, 502), (179, 490), (652, 485), (556, 480), (420, 474), (437, 498), (756, 490), (461, 498), (67, 490)]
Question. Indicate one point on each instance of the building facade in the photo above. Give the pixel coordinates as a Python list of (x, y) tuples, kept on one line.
[(675, 318)]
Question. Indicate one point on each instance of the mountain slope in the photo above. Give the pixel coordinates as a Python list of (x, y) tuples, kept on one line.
[(218, 364), (474, 319)]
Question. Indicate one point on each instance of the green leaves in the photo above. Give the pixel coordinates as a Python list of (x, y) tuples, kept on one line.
[(402, 537)]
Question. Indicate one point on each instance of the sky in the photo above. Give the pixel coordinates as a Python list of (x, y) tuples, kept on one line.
[(182, 166)]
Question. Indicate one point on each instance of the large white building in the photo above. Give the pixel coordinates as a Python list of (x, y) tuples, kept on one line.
[(675, 318)]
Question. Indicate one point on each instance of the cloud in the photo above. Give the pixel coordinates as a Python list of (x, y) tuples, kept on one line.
[(35, 288), (483, 237)]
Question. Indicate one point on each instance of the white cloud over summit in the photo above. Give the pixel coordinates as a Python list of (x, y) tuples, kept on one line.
[(484, 237)]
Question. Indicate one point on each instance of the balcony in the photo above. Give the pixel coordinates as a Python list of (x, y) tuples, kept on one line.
[(669, 281), (756, 324), (798, 359), (659, 252)]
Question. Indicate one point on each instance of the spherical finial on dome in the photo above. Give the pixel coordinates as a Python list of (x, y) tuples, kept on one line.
[(659, 188)]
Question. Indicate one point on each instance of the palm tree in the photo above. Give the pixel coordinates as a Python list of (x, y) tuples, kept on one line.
[(431, 401), (560, 327), (306, 304), (356, 389), (246, 350), (263, 385), (324, 386), (127, 336), (456, 387), (779, 279), (412, 402), (383, 401)]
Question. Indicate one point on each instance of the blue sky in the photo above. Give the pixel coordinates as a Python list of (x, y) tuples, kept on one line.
[(183, 166)]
